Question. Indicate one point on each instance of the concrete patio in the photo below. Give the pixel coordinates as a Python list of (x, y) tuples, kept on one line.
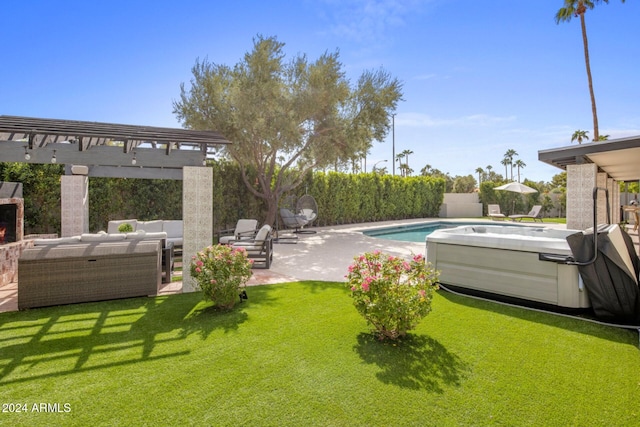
[(324, 255)]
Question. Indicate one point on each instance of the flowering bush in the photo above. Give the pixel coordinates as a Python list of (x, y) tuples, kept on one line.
[(392, 294), (221, 272)]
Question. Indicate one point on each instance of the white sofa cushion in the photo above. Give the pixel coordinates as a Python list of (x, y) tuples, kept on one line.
[(57, 241), (136, 235), (100, 237), (150, 226), (172, 227), (144, 235)]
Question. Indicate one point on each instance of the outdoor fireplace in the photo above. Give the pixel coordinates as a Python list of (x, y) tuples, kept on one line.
[(11, 230), (11, 220), (8, 223)]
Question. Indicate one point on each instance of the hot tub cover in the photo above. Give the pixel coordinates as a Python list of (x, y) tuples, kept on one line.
[(612, 280)]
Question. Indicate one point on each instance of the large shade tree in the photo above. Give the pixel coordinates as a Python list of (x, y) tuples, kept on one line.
[(577, 8), (285, 118)]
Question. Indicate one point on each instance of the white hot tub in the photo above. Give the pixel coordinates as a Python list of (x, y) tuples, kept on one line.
[(504, 260)]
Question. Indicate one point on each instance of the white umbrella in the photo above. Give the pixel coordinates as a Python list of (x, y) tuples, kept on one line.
[(516, 187)]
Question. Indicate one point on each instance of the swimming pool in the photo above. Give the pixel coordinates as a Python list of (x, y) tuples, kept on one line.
[(419, 231)]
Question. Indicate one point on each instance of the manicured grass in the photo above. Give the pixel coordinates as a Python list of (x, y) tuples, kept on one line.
[(299, 355)]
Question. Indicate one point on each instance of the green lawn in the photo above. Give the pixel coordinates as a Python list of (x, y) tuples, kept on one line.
[(298, 354)]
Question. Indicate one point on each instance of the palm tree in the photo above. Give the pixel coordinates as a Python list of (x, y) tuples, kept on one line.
[(603, 137), (489, 173), (508, 160), (579, 136), (479, 171), (575, 8), (426, 170), (519, 164), (406, 157), (399, 157)]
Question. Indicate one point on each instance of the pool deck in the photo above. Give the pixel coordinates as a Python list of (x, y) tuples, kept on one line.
[(324, 255)]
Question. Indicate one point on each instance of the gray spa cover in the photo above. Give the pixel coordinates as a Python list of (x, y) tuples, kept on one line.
[(612, 280)]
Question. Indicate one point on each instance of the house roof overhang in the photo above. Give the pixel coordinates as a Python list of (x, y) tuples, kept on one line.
[(619, 158), (108, 149)]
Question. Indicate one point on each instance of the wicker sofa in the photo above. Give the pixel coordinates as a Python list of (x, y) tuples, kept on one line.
[(84, 272), (167, 251)]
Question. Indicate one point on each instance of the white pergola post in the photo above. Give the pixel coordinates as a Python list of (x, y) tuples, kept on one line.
[(197, 216), (74, 200)]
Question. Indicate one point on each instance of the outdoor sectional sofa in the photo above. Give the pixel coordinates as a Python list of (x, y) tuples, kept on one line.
[(167, 247), (172, 227), (69, 273)]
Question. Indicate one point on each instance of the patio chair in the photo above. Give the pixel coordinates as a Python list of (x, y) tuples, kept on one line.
[(308, 208), (245, 229), (533, 214), (291, 220), (494, 212), (260, 248)]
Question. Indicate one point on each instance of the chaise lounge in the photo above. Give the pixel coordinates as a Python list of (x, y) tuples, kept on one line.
[(493, 211), (533, 214)]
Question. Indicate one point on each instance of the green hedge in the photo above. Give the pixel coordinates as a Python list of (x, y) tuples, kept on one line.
[(342, 198)]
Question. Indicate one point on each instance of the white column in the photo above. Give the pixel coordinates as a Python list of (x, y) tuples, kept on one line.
[(197, 216), (581, 180), (74, 200)]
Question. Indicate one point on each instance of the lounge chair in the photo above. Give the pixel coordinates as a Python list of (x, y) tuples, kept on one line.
[(533, 214), (245, 229), (260, 248), (494, 212)]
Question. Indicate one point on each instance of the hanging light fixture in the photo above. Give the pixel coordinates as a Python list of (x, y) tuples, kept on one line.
[(53, 158), (27, 156)]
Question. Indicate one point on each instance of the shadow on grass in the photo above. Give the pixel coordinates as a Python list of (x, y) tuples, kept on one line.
[(63, 340), (545, 317), (205, 318), (415, 362)]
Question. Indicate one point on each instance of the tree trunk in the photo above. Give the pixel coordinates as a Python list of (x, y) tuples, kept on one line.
[(272, 211), (596, 135)]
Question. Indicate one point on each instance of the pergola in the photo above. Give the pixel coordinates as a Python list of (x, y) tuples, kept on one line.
[(596, 164), (91, 149), (107, 149)]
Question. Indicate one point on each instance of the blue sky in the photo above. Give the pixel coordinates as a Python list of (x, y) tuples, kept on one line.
[(479, 78)]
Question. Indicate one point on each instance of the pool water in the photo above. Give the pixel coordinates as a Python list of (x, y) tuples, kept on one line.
[(418, 232)]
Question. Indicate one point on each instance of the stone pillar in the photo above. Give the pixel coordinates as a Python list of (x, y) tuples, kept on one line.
[(74, 201), (197, 216), (614, 200), (581, 179)]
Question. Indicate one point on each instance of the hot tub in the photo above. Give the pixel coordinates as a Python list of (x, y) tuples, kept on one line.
[(505, 261)]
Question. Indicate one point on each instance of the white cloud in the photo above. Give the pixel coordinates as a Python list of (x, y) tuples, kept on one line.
[(426, 120), (368, 20)]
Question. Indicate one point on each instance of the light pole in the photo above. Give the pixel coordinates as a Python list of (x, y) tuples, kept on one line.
[(393, 142), (376, 164)]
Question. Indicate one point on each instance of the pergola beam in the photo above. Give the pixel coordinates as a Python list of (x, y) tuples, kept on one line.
[(103, 144)]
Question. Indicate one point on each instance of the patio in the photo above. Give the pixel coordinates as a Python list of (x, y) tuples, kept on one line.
[(325, 256)]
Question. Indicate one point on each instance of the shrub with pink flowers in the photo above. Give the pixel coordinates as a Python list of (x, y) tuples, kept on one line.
[(221, 272), (391, 293)]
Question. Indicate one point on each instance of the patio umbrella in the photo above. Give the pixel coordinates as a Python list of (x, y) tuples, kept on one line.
[(516, 187)]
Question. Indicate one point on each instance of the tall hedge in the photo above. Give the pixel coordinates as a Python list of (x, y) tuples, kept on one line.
[(341, 198)]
